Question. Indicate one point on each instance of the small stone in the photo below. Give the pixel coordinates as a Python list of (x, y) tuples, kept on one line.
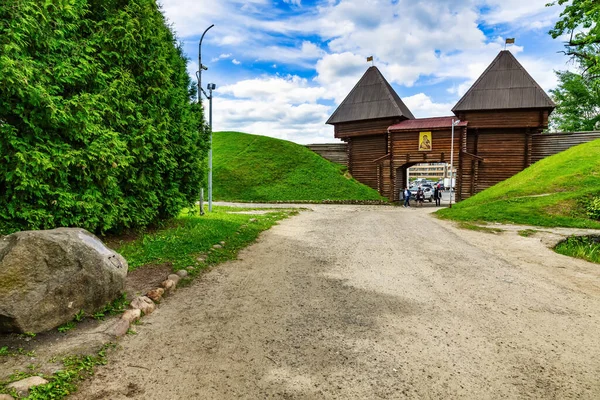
[(22, 387), (190, 268), (119, 328), (132, 315), (252, 220), (217, 246), (182, 273), (155, 294), (144, 304), (175, 278), (6, 397), (201, 259), (168, 285), (222, 243)]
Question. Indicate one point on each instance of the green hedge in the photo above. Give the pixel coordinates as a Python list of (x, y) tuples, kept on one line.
[(97, 129)]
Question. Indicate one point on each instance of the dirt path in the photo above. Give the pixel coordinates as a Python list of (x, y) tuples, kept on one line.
[(360, 302)]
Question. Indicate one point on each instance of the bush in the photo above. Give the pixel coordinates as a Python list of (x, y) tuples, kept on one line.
[(593, 208), (97, 129)]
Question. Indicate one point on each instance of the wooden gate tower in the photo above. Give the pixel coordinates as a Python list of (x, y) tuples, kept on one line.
[(499, 115)]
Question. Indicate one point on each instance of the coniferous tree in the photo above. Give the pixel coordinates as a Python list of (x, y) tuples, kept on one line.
[(97, 129)]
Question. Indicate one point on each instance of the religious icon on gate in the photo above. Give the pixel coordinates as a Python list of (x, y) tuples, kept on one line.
[(425, 141)]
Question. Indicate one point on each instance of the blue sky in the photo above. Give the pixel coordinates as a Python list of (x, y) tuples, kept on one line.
[(282, 66)]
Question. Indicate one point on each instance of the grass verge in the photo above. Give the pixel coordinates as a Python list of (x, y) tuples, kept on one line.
[(584, 247), (192, 238), (63, 382), (561, 190), (527, 232), (478, 228)]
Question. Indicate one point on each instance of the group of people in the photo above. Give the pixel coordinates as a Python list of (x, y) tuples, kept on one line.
[(420, 196)]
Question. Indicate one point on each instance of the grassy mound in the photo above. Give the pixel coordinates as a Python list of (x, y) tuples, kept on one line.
[(556, 191), (258, 168)]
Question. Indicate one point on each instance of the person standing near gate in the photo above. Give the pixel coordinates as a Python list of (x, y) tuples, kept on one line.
[(420, 196), (437, 194), (406, 197)]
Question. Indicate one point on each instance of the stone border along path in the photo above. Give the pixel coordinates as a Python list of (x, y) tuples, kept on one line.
[(140, 306)]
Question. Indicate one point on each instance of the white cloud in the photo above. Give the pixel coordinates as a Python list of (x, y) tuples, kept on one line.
[(221, 57), (283, 107), (338, 73), (534, 13), (301, 123), (422, 106), (413, 41), (289, 89)]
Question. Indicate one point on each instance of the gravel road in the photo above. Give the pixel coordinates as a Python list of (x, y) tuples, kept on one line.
[(366, 302)]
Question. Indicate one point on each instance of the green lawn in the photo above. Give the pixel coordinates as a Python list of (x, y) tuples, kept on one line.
[(556, 191), (258, 168), (191, 235), (584, 247)]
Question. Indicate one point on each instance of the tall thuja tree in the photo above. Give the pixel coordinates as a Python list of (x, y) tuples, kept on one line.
[(96, 124)]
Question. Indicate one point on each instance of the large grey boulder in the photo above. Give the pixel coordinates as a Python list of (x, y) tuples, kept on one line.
[(46, 277)]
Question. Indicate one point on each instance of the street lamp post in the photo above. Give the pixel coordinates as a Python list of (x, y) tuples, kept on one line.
[(454, 123), (211, 87)]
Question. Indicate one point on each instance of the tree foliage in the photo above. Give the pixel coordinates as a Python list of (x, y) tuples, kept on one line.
[(97, 129), (577, 101), (581, 21)]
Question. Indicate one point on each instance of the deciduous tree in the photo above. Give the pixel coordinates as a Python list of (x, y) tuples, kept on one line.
[(577, 101), (580, 21)]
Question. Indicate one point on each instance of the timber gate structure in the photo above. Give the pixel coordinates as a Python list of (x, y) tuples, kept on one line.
[(501, 116)]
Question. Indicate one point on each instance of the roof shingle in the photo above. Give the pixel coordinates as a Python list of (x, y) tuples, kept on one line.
[(505, 84), (372, 98)]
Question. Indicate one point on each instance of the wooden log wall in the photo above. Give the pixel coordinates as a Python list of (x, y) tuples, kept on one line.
[(364, 128), (506, 118), (405, 147), (334, 152), (364, 150), (545, 145), (504, 154)]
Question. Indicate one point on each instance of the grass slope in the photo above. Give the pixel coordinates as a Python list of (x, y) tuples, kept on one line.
[(258, 168), (552, 192)]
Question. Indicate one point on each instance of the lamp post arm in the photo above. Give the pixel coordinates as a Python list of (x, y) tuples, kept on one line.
[(200, 64)]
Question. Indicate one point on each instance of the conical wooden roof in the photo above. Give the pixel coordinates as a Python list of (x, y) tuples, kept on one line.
[(505, 84), (372, 98)]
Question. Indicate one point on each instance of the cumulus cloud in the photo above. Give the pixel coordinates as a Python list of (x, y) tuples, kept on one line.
[(286, 107), (413, 41), (422, 106), (221, 57)]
